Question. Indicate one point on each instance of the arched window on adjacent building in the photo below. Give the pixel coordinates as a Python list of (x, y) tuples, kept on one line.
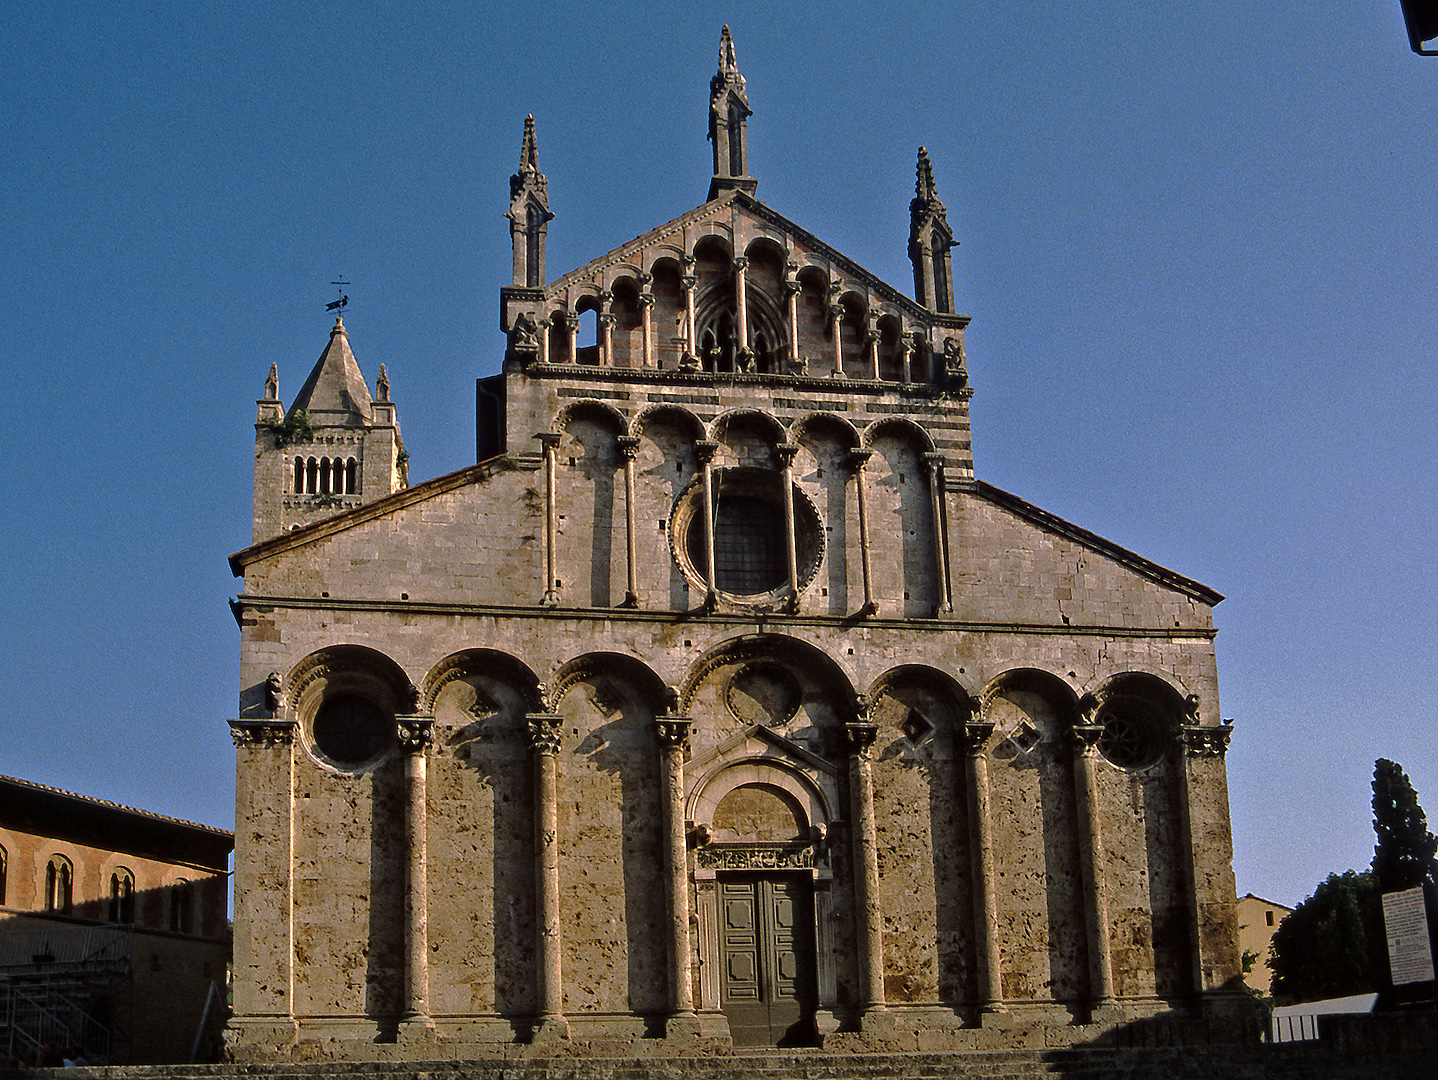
[(122, 896), (59, 885), (182, 903)]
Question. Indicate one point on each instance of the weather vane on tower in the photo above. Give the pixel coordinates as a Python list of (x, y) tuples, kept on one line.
[(343, 302)]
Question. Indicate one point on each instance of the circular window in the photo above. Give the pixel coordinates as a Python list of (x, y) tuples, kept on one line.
[(352, 731), (751, 559), (1131, 736)]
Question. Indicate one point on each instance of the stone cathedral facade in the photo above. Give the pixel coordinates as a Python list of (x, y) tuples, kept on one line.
[(719, 704)]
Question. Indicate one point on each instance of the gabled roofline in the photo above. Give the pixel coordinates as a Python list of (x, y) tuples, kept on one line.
[(748, 202), (348, 519), (1264, 900), (1055, 524)]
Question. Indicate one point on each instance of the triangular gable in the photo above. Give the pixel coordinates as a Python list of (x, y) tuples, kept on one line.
[(348, 519), (1067, 529), (722, 208)]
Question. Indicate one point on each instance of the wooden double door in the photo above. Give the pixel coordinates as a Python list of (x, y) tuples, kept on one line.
[(767, 962)]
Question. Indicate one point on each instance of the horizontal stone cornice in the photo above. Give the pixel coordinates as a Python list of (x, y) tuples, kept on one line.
[(775, 624)]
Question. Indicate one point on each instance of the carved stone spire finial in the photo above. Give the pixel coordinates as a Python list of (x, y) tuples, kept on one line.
[(272, 384), (930, 239), (729, 114), (727, 63), (529, 215), (381, 385)]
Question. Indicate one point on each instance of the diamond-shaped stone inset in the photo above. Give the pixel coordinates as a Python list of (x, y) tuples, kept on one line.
[(916, 729)]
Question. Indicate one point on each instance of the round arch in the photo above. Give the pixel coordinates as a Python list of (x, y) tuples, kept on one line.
[(650, 687), (501, 664), (822, 667)]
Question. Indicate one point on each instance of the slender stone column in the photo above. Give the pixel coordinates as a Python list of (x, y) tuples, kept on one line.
[(705, 451), (741, 301), (628, 447), (860, 738), (544, 342), (549, 440), (606, 348), (691, 284), (972, 738), (836, 315), (926, 256), (264, 883), (416, 734), (871, 345), (934, 466), (792, 289), (1091, 868), (857, 460), (673, 736), (544, 730), (906, 349), (646, 324), (571, 322), (786, 452)]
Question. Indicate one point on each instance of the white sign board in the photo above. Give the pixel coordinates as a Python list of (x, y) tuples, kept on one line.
[(1410, 956)]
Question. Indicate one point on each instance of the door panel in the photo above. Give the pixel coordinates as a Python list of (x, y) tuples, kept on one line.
[(767, 989)]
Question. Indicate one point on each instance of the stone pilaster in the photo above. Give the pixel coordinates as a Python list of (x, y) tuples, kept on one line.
[(786, 452), (264, 885), (934, 467), (544, 732), (857, 460), (416, 735), (549, 440), (705, 451), (1091, 863), (1208, 846), (972, 738), (859, 739), (673, 736), (628, 446)]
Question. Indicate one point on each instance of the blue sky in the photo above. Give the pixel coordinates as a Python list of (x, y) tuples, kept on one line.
[(1198, 246)]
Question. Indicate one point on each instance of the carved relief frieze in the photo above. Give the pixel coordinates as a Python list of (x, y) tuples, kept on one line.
[(755, 857), (1206, 740)]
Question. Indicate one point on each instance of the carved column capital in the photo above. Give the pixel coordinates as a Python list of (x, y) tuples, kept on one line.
[(705, 450), (544, 732), (672, 731), (607, 318), (933, 463), (262, 733), (549, 440), (1086, 737), (792, 288), (1206, 740), (972, 736), (905, 345), (857, 459), (740, 263), (786, 452), (859, 737), (604, 296), (836, 312), (628, 446), (690, 282), (416, 733), (646, 299)]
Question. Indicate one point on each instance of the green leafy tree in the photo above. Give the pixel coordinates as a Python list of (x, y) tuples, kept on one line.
[(1332, 944), (1404, 857)]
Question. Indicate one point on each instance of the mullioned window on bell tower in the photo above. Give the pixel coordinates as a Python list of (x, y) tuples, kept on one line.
[(326, 476)]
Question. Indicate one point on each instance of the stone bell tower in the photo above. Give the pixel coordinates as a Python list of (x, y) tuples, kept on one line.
[(336, 448)]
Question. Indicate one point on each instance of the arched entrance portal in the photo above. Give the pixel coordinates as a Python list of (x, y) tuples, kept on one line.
[(761, 806)]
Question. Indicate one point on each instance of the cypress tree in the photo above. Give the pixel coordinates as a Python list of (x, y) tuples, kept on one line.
[(1404, 856)]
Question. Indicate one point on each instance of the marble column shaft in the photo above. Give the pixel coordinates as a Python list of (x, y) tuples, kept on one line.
[(860, 738), (544, 733), (981, 852), (1091, 863)]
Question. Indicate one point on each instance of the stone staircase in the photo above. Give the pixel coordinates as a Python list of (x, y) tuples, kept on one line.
[(1310, 1061)]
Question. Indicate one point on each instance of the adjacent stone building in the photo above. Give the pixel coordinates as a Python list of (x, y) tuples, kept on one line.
[(719, 704), (113, 937)]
